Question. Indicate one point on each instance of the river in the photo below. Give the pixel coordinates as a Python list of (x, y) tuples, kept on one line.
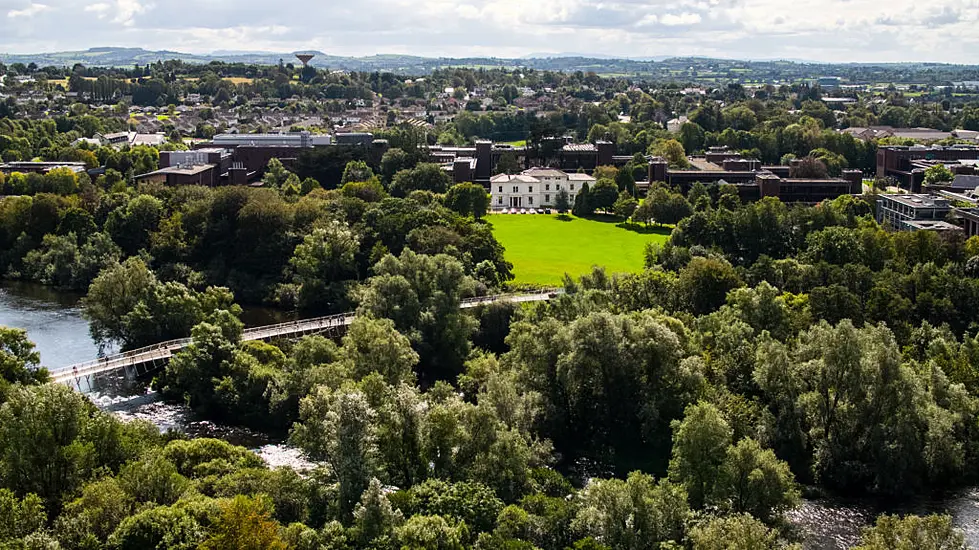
[(53, 321)]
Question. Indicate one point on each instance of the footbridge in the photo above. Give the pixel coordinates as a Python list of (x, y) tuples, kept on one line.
[(139, 362)]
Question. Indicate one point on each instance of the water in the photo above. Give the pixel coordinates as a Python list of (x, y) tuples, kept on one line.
[(53, 321)]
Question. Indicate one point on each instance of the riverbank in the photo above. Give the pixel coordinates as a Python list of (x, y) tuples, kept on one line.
[(54, 322)]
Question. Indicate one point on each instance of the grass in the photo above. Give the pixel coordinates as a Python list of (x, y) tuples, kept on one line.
[(543, 247), (519, 143)]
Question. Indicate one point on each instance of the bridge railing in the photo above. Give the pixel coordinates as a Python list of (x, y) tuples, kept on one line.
[(299, 325)]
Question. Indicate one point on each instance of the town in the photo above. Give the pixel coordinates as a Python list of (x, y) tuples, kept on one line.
[(308, 301)]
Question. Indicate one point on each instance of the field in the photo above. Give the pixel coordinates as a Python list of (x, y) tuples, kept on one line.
[(543, 248)]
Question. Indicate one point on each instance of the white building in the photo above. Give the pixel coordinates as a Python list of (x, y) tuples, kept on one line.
[(535, 188)]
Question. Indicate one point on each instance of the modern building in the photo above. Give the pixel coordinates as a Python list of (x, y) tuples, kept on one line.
[(291, 139), (907, 165), (31, 167), (535, 188), (914, 212), (753, 180)]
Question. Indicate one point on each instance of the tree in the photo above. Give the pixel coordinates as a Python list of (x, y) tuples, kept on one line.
[(374, 516), (603, 195), (431, 533), (356, 170), (468, 199), (752, 480), (625, 205), (700, 445), (672, 151), (633, 514), (423, 177), (275, 174), (809, 167), (938, 174), (422, 294), (739, 531), (245, 523), (19, 517), (338, 426), (692, 137), (52, 439), (582, 202), (562, 201), (393, 161), (507, 164), (912, 533), (323, 262), (19, 362), (705, 282)]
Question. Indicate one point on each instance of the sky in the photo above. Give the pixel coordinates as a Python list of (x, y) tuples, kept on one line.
[(818, 30)]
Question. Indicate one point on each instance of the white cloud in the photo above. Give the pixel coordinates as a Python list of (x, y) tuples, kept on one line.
[(28, 12), (825, 30), (686, 18)]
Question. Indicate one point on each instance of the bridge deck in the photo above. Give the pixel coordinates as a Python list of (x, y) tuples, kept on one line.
[(143, 360)]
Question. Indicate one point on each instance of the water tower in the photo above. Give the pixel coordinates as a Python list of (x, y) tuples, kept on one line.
[(305, 57)]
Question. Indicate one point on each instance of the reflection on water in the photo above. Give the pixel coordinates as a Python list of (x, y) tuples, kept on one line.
[(836, 523), (53, 321)]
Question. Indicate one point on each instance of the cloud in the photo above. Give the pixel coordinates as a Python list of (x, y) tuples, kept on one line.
[(827, 30), (28, 12), (687, 18)]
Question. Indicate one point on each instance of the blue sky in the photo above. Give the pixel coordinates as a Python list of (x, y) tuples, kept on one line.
[(822, 30)]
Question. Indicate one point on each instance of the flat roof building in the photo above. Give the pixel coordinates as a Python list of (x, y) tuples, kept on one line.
[(913, 212)]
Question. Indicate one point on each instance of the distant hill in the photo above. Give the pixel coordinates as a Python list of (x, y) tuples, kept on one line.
[(685, 68)]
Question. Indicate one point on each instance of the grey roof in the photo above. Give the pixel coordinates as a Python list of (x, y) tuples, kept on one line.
[(963, 181)]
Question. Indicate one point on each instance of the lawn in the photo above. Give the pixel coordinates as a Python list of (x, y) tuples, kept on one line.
[(543, 248)]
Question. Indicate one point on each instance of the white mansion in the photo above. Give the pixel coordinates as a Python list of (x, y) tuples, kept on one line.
[(534, 188)]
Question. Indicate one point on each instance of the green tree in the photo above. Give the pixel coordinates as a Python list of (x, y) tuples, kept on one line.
[(739, 531), (338, 427), (700, 445), (422, 294), (752, 480), (582, 202), (323, 262), (19, 362), (468, 199), (244, 523), (562, 200), (625, 205), (912, 533), (507, 164), (671, 150), (705, 282), (603, 195), (635, 513), (356, 170), (423, 177), (938, 174)]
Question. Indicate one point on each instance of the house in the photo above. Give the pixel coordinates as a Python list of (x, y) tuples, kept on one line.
[(674, 124), (535, 188)]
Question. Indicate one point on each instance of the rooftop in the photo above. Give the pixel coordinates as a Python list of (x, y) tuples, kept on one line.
[(918, 200)]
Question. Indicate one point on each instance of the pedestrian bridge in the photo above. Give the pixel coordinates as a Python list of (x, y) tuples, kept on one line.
[(139, 362)]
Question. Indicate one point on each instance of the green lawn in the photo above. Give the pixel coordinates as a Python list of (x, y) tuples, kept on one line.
[(543, 248)]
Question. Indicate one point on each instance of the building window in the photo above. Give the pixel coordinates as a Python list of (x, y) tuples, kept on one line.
[(516, 189), (530, 188), (501, 189), (547, 187), (572, 187), (547, 198), (499, 200), (530, 200)]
